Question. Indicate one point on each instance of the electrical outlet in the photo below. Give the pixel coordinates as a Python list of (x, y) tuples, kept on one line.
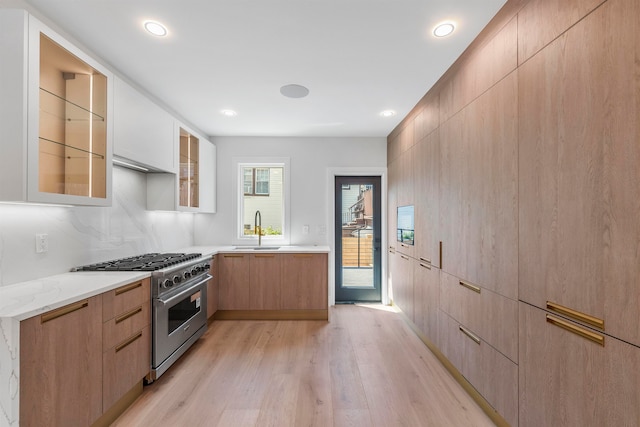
[(305, 229), (322, 230), (42, 243)]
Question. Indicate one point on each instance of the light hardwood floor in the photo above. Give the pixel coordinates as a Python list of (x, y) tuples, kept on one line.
[(363, 368)]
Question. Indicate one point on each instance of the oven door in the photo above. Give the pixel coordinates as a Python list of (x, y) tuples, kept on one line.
[(177, 316)]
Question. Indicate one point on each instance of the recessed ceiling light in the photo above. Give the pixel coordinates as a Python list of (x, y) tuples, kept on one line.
[(155, 28), (294, 91), (228, 113), (444, 29), (388, 113)]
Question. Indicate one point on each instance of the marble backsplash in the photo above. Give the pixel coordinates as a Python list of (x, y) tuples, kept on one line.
[(83, 235)]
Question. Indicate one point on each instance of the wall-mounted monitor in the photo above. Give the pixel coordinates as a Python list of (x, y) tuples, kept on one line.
[(405, 224)]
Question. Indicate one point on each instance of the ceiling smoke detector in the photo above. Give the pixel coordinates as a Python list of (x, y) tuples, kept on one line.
[(294, 91)]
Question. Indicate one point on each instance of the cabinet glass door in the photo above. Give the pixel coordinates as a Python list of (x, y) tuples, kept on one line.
[(189, 167), (72, 124)]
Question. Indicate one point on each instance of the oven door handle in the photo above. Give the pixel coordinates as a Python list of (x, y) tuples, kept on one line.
[(183, 293)]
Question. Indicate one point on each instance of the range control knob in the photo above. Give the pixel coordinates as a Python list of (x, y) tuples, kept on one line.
[(167, 283), (194, 271), (177, 279), (187, 274), (206, 266)]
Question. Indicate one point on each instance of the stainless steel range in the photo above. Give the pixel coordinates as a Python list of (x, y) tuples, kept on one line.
[(178, 298)]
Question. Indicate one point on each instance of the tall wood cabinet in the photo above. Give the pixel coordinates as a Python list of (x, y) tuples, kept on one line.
[(56, 117)]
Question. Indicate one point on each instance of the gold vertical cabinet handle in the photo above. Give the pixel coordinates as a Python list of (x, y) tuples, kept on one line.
[(428, 267), (128, 288), (125, 316), (584, 333), (63, 311), (470, 286), (576, 315), (129, 341), (440, 253), (470, 334)]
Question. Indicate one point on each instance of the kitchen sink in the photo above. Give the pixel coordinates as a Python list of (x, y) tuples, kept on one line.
[(257, 248)]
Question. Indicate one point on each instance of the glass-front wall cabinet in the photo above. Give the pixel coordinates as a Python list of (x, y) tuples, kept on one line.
[(72, 152), (189, 170)]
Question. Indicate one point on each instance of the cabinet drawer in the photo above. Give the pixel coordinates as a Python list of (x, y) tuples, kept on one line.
[(124, 325), (489, 371), (492, 316), (124, 365), (125, 298)]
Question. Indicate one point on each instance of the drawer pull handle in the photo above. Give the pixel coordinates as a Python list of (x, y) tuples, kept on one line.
[(125, 316), (392, 248), (440, 253), (404, 257), (233, 256), (428, 267), (584, 333), (62, 311), (470, 286), (265, 256), (302, 255), (576, 315), (128, 288), (428, 261), (470, 334), (129, 341)]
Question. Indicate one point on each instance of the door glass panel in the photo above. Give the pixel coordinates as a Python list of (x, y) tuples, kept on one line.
[(357, 235)]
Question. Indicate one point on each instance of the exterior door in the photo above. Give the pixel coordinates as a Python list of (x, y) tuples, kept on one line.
[(358, 237)]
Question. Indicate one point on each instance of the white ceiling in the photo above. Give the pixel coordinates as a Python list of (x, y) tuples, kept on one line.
[(356, 57)]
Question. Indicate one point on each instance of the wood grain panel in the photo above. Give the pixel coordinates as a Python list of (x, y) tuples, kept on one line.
[(427, 199), (124, 298), (542, 21), (426, 290), (125, 324), (566, 379), (125, 364), (61, 368), (234, 281), (266, 282), (481, 69), (580, 170), (213, 289), (493, 317), (402, 285), (304, 281)]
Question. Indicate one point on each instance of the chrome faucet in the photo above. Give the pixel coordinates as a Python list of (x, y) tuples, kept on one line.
[(257, 226)]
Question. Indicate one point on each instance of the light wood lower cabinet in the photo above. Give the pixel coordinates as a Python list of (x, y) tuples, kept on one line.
[(426, 291), (126, 339), (491, 373), (492, 316), (61, 366), (402, 282), (77, 361), (304, 281), (273, 282), (568, 379)]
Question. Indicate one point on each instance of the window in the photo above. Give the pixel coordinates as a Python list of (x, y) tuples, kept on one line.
[(262, 187)]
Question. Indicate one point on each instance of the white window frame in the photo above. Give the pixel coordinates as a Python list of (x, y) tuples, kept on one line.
[(256, 162)]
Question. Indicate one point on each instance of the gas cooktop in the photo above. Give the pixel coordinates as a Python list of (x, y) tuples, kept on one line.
[(146, 262)]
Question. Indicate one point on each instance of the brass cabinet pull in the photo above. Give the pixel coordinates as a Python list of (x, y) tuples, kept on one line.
[(428, 261), (302, 255), (129, 341), (125, 316), (264, 256), (393, 248), (128, 288), (440, 253), (584, 333), (576, 315), (428, 267), (470, 286), (233, 256), (404, 257), (62, 311), (470, 334)]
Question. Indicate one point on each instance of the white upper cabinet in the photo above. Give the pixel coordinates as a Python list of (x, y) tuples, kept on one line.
[(192, 187), (143, 133), (55, 117)]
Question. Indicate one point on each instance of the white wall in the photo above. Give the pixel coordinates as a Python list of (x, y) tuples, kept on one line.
[(83, 235), (311, 159)]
